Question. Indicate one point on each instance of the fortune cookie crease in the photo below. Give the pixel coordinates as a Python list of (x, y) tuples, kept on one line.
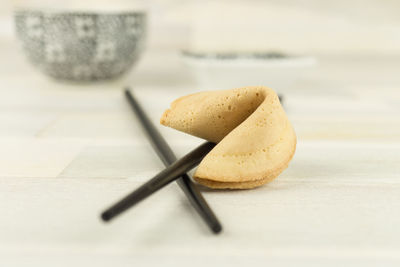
[(255, 140)]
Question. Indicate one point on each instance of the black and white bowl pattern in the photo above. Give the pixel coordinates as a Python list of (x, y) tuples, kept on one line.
[(81, 46)]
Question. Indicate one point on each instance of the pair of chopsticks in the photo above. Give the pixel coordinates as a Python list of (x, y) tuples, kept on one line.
[(175, 170)]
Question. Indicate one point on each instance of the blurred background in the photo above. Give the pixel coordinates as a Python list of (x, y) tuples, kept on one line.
[(303, 26), (355, 31), (306, 26)]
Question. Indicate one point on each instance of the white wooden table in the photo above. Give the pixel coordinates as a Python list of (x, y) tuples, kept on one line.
[(68, 151)]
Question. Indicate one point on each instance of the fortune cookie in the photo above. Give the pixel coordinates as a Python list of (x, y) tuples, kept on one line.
[(255, 140)]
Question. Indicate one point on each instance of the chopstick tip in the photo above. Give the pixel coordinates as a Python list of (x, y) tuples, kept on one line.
[(106, 216), (217, 228)]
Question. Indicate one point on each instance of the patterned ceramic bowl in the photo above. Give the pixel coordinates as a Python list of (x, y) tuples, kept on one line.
[(81, 46)]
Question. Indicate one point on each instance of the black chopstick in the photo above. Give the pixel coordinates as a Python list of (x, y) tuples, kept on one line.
[(168, 157), (169, 174)]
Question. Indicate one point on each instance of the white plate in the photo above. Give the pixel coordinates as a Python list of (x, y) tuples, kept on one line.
[(225, 70)]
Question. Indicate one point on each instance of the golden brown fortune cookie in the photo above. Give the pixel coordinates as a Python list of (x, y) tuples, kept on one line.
[(255, 140)]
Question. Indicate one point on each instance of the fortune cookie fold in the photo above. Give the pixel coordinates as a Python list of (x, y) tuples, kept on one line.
[(255, 140)]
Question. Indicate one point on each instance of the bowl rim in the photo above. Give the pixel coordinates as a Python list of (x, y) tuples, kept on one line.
[(77, 12)]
